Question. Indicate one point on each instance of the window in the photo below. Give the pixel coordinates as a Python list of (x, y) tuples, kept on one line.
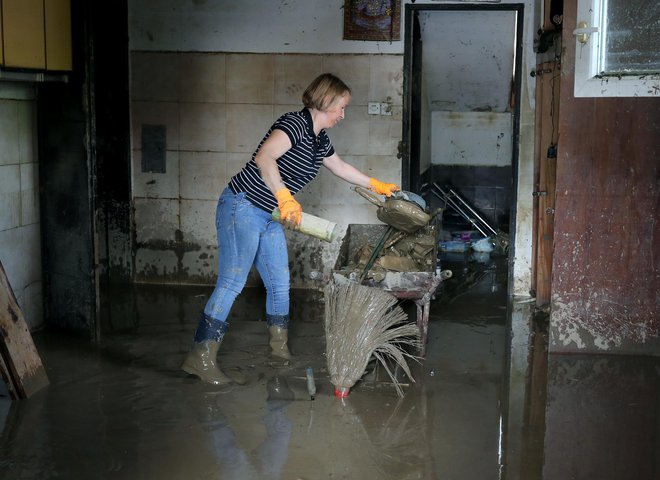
[(617, 52)]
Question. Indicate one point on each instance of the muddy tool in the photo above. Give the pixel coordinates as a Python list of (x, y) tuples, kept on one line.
[(374, 254), (361, 322), (403, 210)]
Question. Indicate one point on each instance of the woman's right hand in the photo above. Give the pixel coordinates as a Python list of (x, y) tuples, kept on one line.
[(290, 209)]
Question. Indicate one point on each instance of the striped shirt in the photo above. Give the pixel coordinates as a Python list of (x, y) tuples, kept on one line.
[(298, 166)]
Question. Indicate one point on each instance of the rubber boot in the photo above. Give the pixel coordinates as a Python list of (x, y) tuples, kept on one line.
[(278, 342), (201, 361)]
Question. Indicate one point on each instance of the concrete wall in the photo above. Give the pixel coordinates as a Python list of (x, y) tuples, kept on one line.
[(472, 152), (216, 108), (472, 138), (524, 210), (294, 26), (20, 242)]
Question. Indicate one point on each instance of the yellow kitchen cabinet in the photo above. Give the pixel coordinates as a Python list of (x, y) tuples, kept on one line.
[(58, 35), (24, 36), (36, 34), (2, 48)]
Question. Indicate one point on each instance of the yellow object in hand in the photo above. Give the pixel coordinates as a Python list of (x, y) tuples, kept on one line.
[(383, 188), (290, 209)]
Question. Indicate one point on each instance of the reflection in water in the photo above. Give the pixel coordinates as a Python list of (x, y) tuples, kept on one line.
[(266, 460), (603, 418), (228, 457), (273, 452)]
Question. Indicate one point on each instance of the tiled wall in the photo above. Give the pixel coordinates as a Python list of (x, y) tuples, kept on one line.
[(20, 244), (216, 108)]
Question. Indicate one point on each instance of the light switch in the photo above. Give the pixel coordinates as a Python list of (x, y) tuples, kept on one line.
[(374, 108)]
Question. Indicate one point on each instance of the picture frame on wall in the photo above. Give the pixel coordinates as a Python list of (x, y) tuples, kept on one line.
[(375, 20)]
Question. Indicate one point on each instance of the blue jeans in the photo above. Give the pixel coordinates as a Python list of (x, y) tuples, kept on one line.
[(247, 236)]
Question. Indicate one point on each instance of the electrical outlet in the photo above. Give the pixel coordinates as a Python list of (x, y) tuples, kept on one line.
[(374, 108), (386, 109)]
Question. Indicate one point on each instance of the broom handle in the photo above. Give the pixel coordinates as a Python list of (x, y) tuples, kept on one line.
[(374, 253)]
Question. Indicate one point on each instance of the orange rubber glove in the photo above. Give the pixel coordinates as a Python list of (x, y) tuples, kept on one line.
[(382, 188), (290, 209)]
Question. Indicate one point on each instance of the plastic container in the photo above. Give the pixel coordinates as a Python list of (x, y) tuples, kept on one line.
[(485, 245), (454, 246), (311, 384), (313, 226), (466, 235)]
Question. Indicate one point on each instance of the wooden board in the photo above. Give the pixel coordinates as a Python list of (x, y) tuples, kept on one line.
[(547, 118), (20, 364)]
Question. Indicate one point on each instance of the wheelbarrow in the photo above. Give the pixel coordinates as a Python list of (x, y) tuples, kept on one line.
[(417, 240)]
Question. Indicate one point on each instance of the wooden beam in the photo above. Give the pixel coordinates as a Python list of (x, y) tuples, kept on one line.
[(547, 134), (20, 364)]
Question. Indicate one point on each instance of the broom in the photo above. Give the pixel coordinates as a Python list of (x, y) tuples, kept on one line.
[(360, 322)]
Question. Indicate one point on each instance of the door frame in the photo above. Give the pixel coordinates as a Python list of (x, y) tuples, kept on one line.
[(410, 147)]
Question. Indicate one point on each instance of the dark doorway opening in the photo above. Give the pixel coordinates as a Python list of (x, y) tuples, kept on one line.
[(461, 111)]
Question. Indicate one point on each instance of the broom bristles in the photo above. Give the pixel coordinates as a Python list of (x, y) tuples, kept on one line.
[(361, 322)]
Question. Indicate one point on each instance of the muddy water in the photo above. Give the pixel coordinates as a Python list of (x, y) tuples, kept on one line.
[(123, 409)]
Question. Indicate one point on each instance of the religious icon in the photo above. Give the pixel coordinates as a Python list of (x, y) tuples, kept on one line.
[(372, 20)]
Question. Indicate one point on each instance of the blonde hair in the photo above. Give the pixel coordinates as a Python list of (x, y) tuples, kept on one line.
[(324, 92)]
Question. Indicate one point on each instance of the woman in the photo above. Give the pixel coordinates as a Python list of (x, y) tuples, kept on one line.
[(288, 157)]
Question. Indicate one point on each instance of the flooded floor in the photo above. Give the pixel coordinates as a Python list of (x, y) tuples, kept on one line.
[(488, 403)]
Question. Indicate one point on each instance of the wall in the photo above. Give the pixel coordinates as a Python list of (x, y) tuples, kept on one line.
[(471, 151), (216, 108), (113, 202), (20, 244), (605, 279), (294, 26), (524, 172), (471, 138), (219, 45)]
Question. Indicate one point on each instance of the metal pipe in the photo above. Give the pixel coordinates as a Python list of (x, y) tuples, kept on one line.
[(473, 212), (32, 76), (449, 201)]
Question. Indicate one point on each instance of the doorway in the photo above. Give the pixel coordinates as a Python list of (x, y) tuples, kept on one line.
[(461, 110)]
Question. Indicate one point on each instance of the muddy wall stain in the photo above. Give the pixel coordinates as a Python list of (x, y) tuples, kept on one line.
[(189, 261)]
